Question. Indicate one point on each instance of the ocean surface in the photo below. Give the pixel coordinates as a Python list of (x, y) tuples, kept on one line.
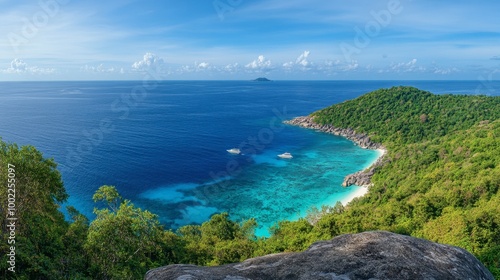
[(163, 144)]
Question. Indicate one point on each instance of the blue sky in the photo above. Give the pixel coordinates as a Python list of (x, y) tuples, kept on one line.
[(243, 39)]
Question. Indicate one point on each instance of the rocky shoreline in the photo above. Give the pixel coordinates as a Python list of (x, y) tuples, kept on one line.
[(363, 178), (360, 178)]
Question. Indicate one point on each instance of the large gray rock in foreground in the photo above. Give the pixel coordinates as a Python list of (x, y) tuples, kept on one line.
[(369, 255)]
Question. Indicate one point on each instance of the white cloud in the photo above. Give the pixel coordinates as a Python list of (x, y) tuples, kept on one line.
[(197, 67), (18, 66), (232, 68), (326, 66), (288, 65), (338, 66), (150, 62), (301, 62), (186, 69), (203, 66), (410, 66), (261, 63), (445, 71), (302, 59), (99, 69), (350, 66), (413, 67)]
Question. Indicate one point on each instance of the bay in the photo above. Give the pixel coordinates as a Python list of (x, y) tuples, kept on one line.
[(164, 146)]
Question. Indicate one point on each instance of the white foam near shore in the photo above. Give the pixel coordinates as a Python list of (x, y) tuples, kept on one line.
[(381, 152), (361, 191)]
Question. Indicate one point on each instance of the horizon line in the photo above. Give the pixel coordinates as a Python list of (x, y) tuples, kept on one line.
[(252, 80)]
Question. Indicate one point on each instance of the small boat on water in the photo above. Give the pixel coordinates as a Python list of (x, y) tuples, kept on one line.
[(234, 151), (285, 155)]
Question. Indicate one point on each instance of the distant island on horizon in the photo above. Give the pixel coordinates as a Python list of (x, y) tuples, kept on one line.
[(262, 79)]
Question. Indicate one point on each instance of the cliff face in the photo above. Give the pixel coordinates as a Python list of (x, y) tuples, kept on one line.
[(368, 255)]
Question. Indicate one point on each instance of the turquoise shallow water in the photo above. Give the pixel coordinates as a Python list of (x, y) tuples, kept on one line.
[(271, 189)]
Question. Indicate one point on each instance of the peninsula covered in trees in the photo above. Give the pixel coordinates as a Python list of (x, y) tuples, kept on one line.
[(440, 181)]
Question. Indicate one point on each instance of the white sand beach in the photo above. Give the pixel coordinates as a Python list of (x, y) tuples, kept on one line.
[(363, 190)]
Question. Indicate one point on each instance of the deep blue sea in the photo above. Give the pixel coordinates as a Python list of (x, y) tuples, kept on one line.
[(163, 144)]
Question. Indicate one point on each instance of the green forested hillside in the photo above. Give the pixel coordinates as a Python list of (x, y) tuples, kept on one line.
[(443, 177), (408, 115), (441, 182), (444, 190)]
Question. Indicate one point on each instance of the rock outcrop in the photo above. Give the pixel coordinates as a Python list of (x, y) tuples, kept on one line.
[(360, 139), (361, 178), (369, 255)]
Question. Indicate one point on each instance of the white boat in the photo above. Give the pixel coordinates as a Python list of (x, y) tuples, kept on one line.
[(285, 155), (234, 151)]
